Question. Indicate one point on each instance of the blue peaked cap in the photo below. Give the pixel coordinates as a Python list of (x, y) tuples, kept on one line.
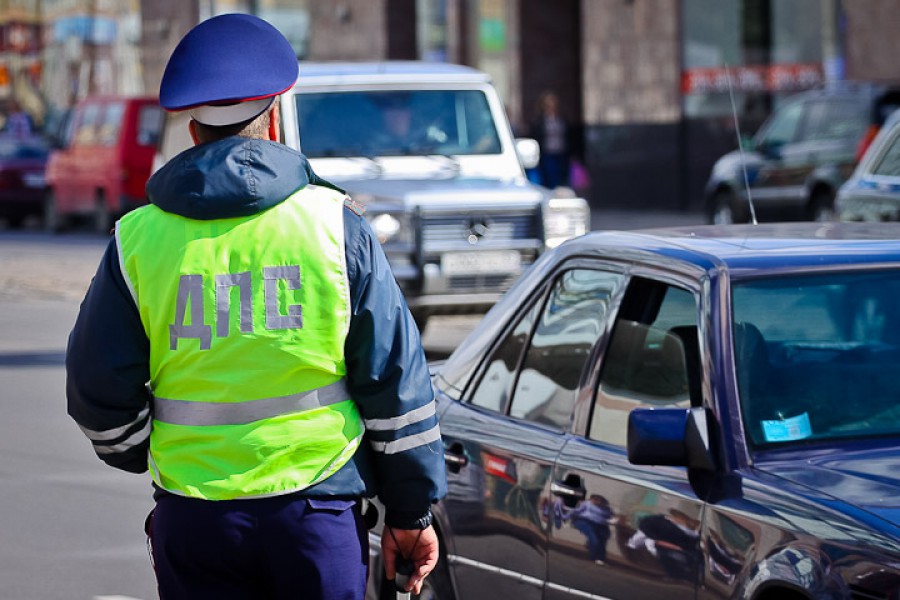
[(228, 59)]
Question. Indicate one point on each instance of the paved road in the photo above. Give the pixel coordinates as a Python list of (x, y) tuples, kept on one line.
[(72, 525)]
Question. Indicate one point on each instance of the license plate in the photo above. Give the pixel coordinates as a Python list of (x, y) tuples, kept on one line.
[(469, 263), (34, 180)]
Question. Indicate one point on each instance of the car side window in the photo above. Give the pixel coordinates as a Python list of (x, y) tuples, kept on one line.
[(783, 127), (86, 133), (495, 387), (651, 360), (538, 363), (834, 120), (111, 124), (889, 163), (570, 324)]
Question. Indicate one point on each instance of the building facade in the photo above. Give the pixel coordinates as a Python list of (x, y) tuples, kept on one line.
[(650, 87)]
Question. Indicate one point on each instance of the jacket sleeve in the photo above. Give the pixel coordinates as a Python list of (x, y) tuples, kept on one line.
[(388, 378), (107, 370)]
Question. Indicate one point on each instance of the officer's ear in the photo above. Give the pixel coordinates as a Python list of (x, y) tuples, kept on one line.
[(192, 128), (274, 122)]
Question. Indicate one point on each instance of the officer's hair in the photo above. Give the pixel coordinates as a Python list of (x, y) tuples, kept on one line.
[(256, 128)]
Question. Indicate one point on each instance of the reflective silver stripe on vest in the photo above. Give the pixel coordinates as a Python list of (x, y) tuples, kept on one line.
[(413, 416), (186, 412), (408, 442)]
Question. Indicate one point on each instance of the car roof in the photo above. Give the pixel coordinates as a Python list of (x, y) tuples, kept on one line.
[(411, 71), (750, 250)]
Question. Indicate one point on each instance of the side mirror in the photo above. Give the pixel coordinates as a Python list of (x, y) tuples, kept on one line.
[(529, 152), (747, 142), (670, 436)]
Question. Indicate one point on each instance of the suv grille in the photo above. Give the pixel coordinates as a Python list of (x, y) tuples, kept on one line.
[(489, 227), (513, 230)]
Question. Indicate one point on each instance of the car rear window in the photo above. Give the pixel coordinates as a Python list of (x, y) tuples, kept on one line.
[(816, 356)]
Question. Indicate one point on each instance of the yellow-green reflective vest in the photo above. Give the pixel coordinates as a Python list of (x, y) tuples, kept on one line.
[(246, 319)]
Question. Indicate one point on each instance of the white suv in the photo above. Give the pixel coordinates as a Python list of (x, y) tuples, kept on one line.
[(428, 150)]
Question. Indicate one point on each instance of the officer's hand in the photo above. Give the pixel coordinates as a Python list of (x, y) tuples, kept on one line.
[(418, 545)]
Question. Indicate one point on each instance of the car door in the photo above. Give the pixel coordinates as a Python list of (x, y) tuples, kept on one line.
[(784, 166), (618, 530), (501, 441)]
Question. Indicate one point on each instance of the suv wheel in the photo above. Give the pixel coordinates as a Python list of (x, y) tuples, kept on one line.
[(821, 205), (53, 221), (723, 209), (102, 221)]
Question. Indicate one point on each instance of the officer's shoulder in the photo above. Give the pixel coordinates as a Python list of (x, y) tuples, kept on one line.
[(354, 206)]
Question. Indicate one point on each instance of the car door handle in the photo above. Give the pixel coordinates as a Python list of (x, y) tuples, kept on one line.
[(455, 456), (567, 489), (455, 459)]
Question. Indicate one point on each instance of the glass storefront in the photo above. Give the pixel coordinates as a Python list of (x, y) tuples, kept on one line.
[(761, 51)]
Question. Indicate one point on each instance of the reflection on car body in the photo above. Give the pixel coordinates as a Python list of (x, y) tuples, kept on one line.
[(720, 400)]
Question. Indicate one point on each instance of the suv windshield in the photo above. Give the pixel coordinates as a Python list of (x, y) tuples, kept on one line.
[(395, 123), (816, 356)]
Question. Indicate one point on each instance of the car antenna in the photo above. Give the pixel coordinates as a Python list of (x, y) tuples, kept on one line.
[(737, 132)]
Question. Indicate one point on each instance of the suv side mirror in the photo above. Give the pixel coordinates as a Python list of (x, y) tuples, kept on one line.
[(529, 152)]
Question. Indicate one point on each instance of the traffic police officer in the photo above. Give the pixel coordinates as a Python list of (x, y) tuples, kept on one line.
[(245, 340)]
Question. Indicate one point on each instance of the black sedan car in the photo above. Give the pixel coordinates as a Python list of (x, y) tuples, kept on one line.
[(699, 413), (23, 161)]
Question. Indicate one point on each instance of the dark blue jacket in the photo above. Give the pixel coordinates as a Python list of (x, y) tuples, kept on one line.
[(107, 360)]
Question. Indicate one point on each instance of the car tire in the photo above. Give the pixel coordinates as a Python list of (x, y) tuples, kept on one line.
[(15, 221), (101, 216), (724, 209), (421, 319), (53, 221), (821, 206)]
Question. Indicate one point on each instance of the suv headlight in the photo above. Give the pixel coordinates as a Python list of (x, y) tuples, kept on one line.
[(391, 227), (565, 218)]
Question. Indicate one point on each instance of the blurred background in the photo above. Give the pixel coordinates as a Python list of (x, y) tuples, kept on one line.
[(644, 84)]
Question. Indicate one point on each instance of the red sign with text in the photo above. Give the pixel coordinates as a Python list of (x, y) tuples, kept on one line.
[(752, 78)]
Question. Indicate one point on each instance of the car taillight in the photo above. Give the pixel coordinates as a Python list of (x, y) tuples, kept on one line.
[(865, 142)]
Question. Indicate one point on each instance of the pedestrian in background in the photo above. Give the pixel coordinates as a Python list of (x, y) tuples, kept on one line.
[(245, 340), (18, 122), (551, 131)]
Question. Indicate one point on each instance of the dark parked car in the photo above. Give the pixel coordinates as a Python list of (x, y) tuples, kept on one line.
[(23, 161), (706, 412), (801, 155), (873, 191)]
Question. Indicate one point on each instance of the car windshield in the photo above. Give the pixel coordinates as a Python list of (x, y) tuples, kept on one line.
[(396, 123), (816, 356)]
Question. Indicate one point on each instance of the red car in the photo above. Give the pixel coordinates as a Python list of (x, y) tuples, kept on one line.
[(103, 166), (22, 183)]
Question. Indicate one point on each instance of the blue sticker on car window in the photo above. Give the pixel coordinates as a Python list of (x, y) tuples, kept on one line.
[(787, 430)]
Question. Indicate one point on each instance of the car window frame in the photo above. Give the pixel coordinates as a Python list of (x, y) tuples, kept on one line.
[(890, 140), (698, 287), (538, 301)]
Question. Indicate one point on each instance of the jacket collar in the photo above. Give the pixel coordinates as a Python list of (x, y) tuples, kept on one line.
[(233, 177)]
